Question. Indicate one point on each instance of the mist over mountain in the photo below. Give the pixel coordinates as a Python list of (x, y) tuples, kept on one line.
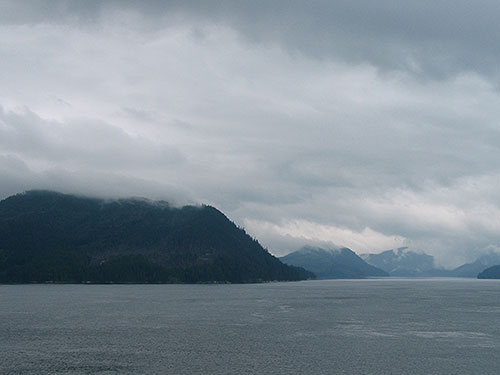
[(48, 236), (405, 263), (340, 263)]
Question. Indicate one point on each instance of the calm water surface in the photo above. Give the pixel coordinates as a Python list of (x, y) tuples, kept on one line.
[(392, 326)]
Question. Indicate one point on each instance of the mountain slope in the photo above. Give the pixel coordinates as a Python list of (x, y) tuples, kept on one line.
[(472, 269), (47, 236), (332, 264)]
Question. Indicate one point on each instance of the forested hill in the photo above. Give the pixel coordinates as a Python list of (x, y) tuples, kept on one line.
[(48, 236)]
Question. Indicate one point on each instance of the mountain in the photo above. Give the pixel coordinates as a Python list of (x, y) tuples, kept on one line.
[(405, 263), (472, 269), (490, 273), (48, 236), (332, 264)]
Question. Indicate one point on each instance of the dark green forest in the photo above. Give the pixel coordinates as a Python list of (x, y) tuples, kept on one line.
[(53, 237)]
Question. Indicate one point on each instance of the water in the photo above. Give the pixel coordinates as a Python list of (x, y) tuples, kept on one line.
[(392, 326)]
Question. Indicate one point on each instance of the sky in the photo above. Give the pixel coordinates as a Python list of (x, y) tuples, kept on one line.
[(367, 124)]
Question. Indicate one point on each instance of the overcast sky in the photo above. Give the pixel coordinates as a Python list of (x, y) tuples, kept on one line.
[(367, 124)]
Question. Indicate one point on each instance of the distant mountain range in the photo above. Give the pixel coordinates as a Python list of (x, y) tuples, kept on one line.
[(48, 236), (340, 263), (405, 263)]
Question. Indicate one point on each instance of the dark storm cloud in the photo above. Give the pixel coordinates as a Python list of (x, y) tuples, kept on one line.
[(369, 124), (435, 38)]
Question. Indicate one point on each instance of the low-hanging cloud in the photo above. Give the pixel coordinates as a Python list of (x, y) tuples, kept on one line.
[(367, 124)]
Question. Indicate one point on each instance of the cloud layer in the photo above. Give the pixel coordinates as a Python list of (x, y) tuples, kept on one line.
[(365, 124)]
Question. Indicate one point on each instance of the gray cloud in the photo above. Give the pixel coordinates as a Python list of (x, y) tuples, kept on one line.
[(366, 124), (83, 142)]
